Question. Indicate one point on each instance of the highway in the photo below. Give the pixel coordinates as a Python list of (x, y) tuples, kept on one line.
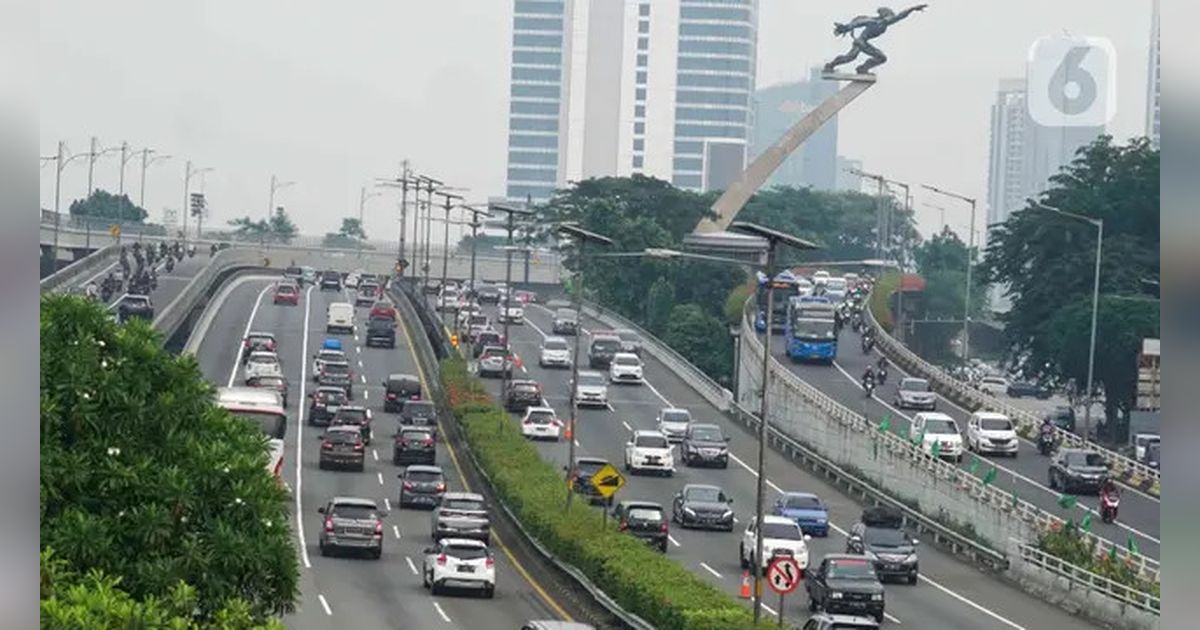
[(348, 591), (1027, 473), (950, 594)]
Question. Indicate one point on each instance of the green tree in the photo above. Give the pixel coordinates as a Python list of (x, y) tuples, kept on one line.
[(659, 303), (281, 228), (105, 206), (352, 228), (1046, 261), (145, 479), (248, 229), (349, 236), (702, 339)]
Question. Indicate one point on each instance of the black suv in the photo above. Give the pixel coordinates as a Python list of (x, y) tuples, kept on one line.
[(844, 583), (705, 445), (380, 332), (399, 388), (879, 536), (522, 394), (488, 295), (331, 280), (643, 519), (1075, 469), (419, 414), (413, 445), (352, 523), (132, 306), (337, 374), (421, 485), (484, 339), (602, 349), (324, 403)]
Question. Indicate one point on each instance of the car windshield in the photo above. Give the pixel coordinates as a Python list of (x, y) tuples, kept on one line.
[(1084, 459), (556, 344), (808, 328), (464, 552), (995, 424), (270, 381), (416, 435), (418, 409), (259, 339), (885, 537), (331, 397), (355, 511), (479, 320), (851, 569), (1153, 453), (336, 368), (914, 385), (343, 437), (703, 495), (264, 359), (646, 514), (525, 388), (423, 475), (331, 355), (287, 288), (541, 416), (352, 416), (651, 441), (627, 361), (940, 426), (606, 345), (802, 502), (566, 314), (677, 416), (627, 335), (591, 380), (462, 504), (489, 337), (707, 434), (785, 531)]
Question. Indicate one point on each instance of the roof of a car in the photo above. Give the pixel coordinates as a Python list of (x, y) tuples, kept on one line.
[(698, 486), (772, 519), (990, 415), (402, 377), (463, 542), (465, 496), (255, 333), (343, 428), (354, 501), (636, 503), (423, 468)]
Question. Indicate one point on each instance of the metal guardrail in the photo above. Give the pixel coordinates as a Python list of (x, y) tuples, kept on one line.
[(174, 313), (1076, 575), (1125, 469), (963, 479), (77, 270)]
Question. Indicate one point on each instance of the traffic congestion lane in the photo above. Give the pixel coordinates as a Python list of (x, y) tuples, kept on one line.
[(1026, 473), (713, 555)]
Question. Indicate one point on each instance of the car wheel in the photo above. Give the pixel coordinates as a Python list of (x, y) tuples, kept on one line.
[(376, 554), (742, 556), (321, 465), (489, 592), (324, 549), (879, 617), (812, 603), (434, 587), (1053, 482), (912, 578)]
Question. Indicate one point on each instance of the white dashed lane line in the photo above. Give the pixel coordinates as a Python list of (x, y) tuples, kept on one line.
[(380, 475), (375, 454), (673, 541), (705, 566), (441, 612), (324, 604), (396, 531), (411, 567)]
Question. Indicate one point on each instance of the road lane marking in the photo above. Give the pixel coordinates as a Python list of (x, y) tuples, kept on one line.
[(358, 349), (673, 541), (656, 392), (375, 454), (325, 604), (396, 531), (972, 604), (380, 475), (366, 393), (441, 612), (300, 435), (710, 570), (627, 427), (237, 362), (387, 504), (363, 377), (892, 619), (411, 567), (360, 363), (770, 610)]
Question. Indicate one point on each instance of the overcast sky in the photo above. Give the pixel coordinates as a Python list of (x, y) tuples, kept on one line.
[(331, 95)]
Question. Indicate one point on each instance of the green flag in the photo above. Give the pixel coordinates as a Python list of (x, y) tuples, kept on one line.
[(918, 439), (1015, 500), (974, 464), (1066, 501), (885, 424), (936, 450), (1086, 523), (1112, 552), (991, 476), (1131, 544)]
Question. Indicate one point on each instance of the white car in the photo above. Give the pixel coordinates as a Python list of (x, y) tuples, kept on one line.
[(592, 389), (447, 300), (459, 563), (512, 314), (541, 423), (781, 536), (464, 314), (263, 364), (938, 428), (915, 393), (994, 385), (554, 351), (673, 422), (351, 280), (625, 367), (990, 432), (324, 356), (649, 451)]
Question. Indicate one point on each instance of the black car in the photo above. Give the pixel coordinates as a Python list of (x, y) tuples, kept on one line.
[(381, 332), (421, 485), (1063, 417), (337, 374), (581, 479), (1017, 389), (522, 394), (880, 537), (602, 349), (399, 388), (331, 280), (419, 414), (488, 295), (413, 445), (705, 445), (643, 519), (342, 447), (704, 506), (354, 416), (351, 523), (845, 583), (324, 403), (433, 287), (132, 306), (1077, 469)]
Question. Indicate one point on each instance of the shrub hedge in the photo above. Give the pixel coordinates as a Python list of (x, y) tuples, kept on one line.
[(643, 581)]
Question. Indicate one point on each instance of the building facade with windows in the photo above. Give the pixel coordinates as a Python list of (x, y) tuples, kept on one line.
[(535, 98), (779, 107)]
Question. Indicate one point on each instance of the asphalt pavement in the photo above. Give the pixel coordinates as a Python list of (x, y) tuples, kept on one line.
[(1027, 473), (949, 595), (349, 591)]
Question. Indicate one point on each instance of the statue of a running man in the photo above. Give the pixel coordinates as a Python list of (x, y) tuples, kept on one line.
[(872, 27)]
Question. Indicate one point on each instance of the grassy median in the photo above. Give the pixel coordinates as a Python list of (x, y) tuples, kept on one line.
[(643, 581)]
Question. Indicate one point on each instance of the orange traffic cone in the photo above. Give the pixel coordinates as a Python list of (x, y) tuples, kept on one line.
[(567, 431), (745, 592)]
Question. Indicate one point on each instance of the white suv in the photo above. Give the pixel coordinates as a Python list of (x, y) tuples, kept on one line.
[(938, 428), (990, 432), (649, 451), (592, 389), (781, 536), (459, 563), (625, 367), (554, 351), (263, 364), (995, 385), (673, 422), (512, 313)]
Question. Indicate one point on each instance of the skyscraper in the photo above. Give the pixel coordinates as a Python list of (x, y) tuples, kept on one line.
[(776, 109), (615, 87), (1152, 81)]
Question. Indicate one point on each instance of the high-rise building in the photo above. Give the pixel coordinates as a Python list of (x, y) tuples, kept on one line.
[(776, 109), (1152, 81), (616, 87)]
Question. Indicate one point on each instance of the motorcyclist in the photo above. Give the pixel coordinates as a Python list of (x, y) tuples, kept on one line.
[(92, 291), (1108, 489), (868, 377), (212, 251)]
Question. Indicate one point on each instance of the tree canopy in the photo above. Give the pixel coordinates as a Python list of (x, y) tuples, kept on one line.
[(349, 235), (144, 479), (103, 205), (1046, 260), (279, 229)]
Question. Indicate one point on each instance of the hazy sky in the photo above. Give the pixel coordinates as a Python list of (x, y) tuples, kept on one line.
[(331, 95)]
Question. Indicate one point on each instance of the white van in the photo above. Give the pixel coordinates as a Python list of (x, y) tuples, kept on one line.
[(991, 432), (939, 428), (340, 318)]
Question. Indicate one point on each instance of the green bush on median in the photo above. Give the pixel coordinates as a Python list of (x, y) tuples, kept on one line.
[(641, 580)]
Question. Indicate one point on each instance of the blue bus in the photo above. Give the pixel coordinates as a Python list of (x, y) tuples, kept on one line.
[(785, 286), (809, 329)]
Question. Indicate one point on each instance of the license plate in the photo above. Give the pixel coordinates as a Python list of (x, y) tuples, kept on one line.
[(466, 568)]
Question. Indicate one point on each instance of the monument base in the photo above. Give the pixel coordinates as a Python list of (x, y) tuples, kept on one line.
[(846, 76)]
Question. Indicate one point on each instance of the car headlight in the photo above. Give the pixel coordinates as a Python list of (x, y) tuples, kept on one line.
[(910, 558), (689, 511), (870, 554), (835, 595), (877, 597), (822, 521), (727, 514)]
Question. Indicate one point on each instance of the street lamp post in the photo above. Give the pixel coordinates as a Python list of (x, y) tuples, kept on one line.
[(736, 333), (1099, 224), (507, 303), (448, 205), (146, 162), (475, 225), (188, 173), (970, 265), (430, 184), (363, 196), (900, 260), (582, 237), (95, 153), (275, 185), (60, 162)]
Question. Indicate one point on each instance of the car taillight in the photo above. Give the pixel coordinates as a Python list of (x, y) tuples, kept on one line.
[(415, 397), (441, 487), (279, 468), (624, 525), (326, 444), (358, 446), (663, 528), (527, 422), (557, 423), (391, 396), (270, 345), (408, 485), (490, 562), (441, 560), (428, 441), (245, 343), (329, 524), (378, 528)]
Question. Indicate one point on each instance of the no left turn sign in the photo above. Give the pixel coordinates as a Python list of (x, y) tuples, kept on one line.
[(784, 575)]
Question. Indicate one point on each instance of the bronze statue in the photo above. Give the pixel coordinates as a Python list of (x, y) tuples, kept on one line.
[(872, 27)]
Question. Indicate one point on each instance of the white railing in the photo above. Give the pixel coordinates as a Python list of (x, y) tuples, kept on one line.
[(1078, 577)]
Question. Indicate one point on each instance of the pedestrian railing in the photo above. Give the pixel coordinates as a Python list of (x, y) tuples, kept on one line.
[(1078, 578), (79, 270)]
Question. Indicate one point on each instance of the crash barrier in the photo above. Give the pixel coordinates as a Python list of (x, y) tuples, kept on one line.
[(952, 494), (430, 324), (81, 269), (414, 312), (1080, 591), (168, 318), (1124, 469)]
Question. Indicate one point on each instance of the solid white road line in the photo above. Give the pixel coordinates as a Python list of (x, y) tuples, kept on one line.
[(891, 618), (627, 427), (441, 612), (300, 433), (200, 331), (411, 567), (324, 604), (705, 566), (237, 361), (770, 610), (673, 541)]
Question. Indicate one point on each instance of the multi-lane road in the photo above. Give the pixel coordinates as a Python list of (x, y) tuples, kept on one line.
[(348, 591), (950, 594), (1026, 474)]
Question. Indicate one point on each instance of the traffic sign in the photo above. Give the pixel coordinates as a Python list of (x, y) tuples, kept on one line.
[(783, 574), (607, 481), (114, 230)]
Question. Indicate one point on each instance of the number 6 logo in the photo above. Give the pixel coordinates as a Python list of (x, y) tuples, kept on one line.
[(1071, 81)]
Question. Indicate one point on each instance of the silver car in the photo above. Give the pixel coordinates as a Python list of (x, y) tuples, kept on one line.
[(673, 422), (352, 524), (461, 515)]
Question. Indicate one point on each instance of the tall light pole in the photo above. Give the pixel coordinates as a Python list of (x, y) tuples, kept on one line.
[(970, 265), (146, 162), (430, 184), (363, 196), (900, 259), (94, 153), (404, 182), (61, 159), (582, 238), (880, 221), (508, 292), (188, 173), (475, 225), (448, 199), (1099, 224), (275, 185)]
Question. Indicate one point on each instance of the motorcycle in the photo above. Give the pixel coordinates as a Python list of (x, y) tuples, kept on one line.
[(867, 344), (1046, 441), (170, 265), (191, 250), (1109, 503), (881, 374), (868, 386)]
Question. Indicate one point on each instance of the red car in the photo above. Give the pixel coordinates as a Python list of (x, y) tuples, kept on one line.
[(526, 297), (383, 310), (287, 294)]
